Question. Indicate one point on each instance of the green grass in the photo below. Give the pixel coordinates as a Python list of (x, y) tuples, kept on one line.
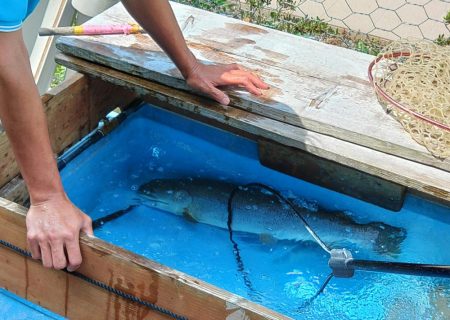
[(442, 40), (59, 75)]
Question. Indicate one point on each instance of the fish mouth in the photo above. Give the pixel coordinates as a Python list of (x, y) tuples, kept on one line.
[(154, 200)]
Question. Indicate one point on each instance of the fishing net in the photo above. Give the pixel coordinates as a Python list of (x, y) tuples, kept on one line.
[(412, 81)]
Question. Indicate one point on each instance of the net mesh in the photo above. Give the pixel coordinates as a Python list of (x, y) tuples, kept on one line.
[(412, 81)]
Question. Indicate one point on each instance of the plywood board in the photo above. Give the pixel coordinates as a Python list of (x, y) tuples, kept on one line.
[(316, 86)]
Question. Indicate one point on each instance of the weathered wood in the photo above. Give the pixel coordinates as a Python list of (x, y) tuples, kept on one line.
[(66, 109), (16, 191), (331, 175), (416, 177), (133, 274), (104, 97), (73, 109), (8, 165), (313, 85)]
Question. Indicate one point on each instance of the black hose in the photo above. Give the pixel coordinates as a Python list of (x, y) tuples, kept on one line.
[(415, 269), (110, 217)]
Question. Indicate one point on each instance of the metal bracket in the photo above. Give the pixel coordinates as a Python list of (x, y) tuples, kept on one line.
[(339, 263)]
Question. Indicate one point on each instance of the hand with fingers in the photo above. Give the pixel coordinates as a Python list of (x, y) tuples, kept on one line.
[(158, 19), (206, 79), (53, 232)]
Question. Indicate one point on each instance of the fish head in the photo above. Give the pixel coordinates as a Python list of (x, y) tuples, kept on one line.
[(169, 195)]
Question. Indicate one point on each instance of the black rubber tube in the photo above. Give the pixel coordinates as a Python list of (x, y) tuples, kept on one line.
[(415, 269)]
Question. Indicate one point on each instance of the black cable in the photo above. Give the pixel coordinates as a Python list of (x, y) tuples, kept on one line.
[(237, 255), (322, 244), (236, 252), (322, 287), (100, 221), (102, 285)]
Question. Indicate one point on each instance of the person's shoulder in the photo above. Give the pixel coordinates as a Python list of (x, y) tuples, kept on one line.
[(12, 14)]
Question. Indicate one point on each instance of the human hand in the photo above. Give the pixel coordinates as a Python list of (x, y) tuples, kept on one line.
[(53, 231), (206, 79)]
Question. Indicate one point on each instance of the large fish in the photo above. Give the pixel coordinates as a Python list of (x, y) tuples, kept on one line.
[(261, 212)]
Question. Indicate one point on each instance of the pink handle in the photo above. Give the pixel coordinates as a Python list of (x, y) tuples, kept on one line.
[(109, 29)]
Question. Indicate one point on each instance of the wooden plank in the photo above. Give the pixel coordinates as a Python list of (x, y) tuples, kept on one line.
[(331, 175), (66, 110), (315, 86), (73, 109), (120, 269), (46, 287), (13, 272), (416, 177), (16, 191)]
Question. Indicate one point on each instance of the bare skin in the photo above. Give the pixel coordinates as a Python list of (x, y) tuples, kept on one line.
[(53, 222), (158, 19)]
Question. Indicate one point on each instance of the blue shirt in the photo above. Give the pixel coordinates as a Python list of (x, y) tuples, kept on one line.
[(14, 12)]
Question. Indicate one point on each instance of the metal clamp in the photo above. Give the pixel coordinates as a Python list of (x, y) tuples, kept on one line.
[(338, 262)]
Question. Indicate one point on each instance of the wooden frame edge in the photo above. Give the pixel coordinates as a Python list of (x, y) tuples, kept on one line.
[(73, 298)]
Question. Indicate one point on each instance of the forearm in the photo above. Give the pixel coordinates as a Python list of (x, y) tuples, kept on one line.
[(158, 19), (24, 120)]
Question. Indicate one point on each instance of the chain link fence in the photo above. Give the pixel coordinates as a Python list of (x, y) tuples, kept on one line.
[(389, 19)]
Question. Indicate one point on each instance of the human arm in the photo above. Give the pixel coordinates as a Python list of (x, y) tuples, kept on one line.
[(53, 222), (156, 16)]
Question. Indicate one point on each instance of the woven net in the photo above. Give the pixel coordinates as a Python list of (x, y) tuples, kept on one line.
[(412, 81)]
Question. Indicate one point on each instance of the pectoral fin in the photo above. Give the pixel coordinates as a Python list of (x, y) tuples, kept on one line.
[(188, 216)]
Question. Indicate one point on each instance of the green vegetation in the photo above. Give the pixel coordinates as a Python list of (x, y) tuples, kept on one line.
[(218, 6), (58, 75), (442, 40)]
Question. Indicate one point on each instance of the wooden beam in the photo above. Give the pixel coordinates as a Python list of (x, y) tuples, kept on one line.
[(418, 178), (75, 299), (73, 109), (331, 175)]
